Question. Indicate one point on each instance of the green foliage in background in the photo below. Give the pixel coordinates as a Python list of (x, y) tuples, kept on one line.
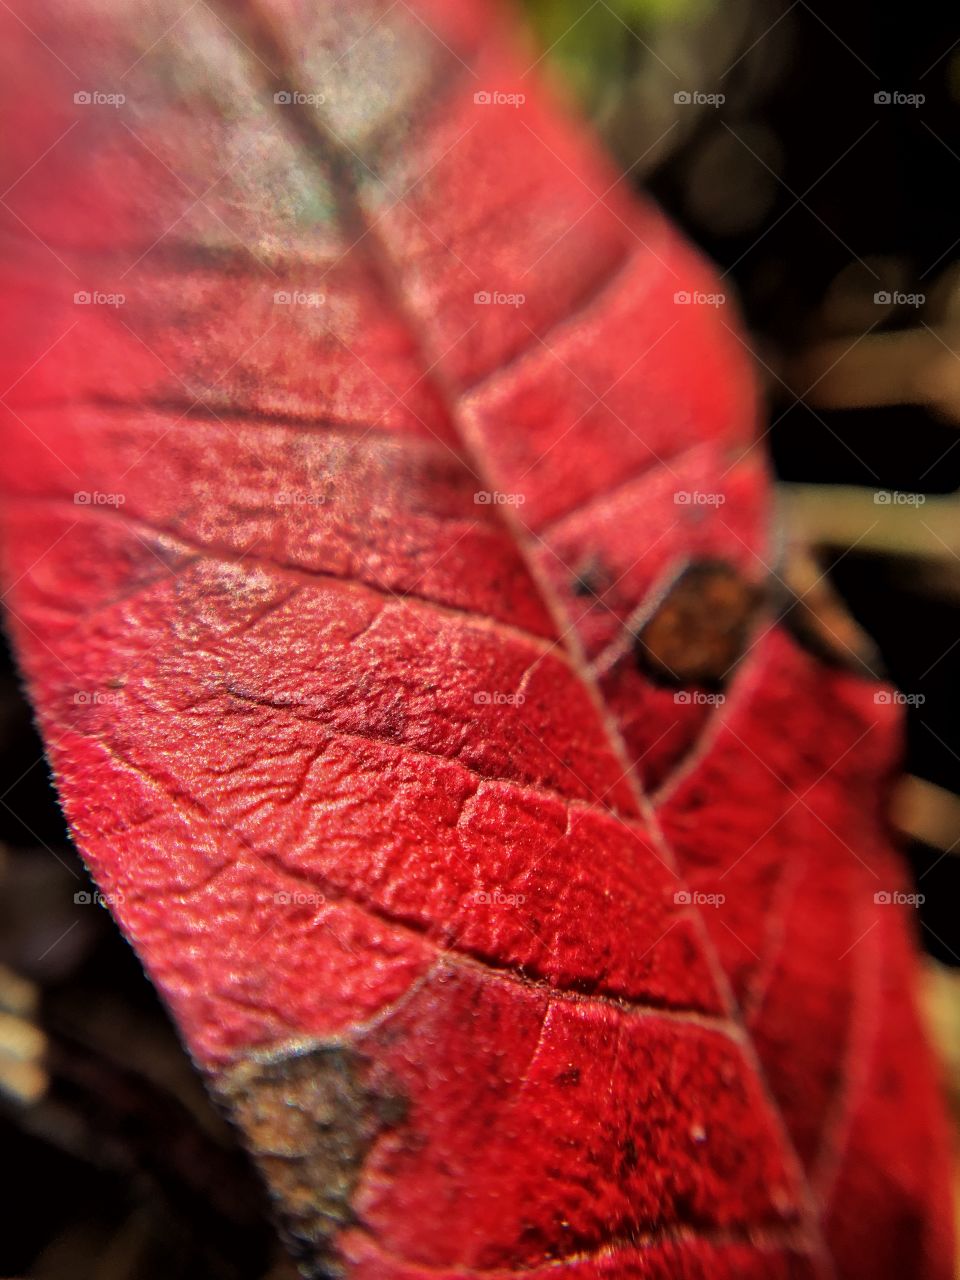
[(589, 40)]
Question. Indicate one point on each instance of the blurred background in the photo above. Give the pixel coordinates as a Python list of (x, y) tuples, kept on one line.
[(813, 152)]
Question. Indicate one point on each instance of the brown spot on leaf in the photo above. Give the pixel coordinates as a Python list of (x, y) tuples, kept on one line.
[(309, 1117), (700, 629), (568, 1078), (590, 579)]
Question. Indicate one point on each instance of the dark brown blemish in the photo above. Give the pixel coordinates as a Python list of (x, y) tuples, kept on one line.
[(309, 1117), (628, 1158), (699, 630), (568, 1078), (590, 579)]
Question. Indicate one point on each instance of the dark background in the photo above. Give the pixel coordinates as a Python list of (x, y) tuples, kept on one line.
[(123, 1170)]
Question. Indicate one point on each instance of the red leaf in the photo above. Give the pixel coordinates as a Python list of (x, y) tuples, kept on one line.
[(352, 619)]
